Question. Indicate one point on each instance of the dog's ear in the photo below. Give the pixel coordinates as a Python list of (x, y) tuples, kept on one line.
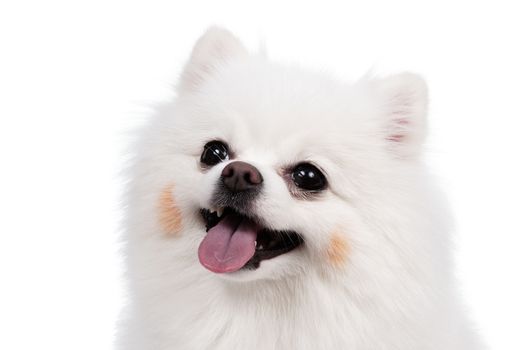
[(404, 106), (216, 47)]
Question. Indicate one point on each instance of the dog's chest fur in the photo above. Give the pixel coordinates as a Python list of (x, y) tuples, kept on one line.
[(312, 313)]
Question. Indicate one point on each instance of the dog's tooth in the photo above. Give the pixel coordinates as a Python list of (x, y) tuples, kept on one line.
[(220, 211)]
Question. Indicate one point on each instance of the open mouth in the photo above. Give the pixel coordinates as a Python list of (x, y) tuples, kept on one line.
[(234, 241)]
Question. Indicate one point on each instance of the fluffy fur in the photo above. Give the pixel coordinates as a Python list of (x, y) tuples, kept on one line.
[(374, 272)]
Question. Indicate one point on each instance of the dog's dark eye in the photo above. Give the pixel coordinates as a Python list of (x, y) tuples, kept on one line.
[(214, 152), (308, 177)]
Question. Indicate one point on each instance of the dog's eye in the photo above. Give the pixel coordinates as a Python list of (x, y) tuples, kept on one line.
[(214, 152), (308, 177)]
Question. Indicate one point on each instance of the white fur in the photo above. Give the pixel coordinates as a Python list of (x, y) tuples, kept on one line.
[(395, 289)]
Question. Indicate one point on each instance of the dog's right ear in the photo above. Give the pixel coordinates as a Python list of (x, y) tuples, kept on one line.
[(214, 48)]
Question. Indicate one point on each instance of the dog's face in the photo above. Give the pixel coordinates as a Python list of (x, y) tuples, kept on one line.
[(265, 170)]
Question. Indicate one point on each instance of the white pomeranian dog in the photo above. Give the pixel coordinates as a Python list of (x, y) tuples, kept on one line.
[(271, 207)]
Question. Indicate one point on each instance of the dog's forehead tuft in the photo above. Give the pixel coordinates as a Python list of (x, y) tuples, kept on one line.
[(259, 103), (273, 94)]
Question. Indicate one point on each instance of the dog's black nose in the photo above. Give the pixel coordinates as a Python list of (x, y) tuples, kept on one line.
[(240, 176)]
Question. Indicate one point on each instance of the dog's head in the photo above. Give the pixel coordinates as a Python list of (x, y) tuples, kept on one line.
[(265, 170)]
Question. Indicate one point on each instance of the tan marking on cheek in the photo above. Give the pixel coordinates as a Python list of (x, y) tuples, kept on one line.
[(170, 217), (338, 250)]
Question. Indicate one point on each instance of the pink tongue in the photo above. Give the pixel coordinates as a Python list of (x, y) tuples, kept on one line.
[(229, 245)]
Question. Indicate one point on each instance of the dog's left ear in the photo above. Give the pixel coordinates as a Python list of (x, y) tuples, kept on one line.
[(216, 47), (404, 101)]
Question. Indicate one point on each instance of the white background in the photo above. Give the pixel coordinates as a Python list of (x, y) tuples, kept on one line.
[(76, 76)]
